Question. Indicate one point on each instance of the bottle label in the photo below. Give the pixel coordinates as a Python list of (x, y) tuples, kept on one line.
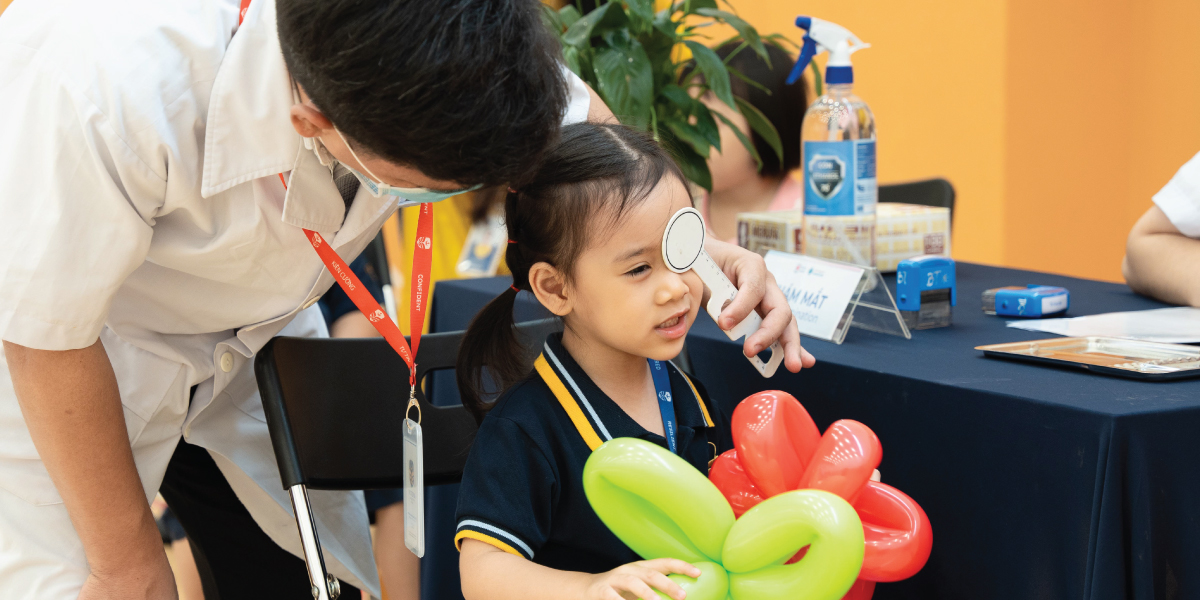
[(839, 178)]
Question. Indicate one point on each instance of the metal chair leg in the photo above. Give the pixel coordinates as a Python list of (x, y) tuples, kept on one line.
[(324, 585)]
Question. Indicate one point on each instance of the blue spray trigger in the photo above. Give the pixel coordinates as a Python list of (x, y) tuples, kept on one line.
[(807, 51)]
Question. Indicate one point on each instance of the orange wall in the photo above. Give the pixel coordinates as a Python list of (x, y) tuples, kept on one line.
[(1096, 126), (1056, 121)]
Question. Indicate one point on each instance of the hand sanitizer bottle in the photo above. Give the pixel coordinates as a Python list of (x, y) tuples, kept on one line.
[(838, 137)]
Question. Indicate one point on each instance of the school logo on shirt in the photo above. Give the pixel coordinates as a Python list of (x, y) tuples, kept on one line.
[(424, 243)]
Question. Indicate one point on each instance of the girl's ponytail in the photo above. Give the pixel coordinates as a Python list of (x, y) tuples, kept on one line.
[(490, 342)]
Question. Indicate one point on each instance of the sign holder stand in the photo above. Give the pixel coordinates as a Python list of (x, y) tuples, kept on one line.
[(873, 308), (869, 305)]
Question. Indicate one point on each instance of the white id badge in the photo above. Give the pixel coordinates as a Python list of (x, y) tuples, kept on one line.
[(414, 488), (484, 247)]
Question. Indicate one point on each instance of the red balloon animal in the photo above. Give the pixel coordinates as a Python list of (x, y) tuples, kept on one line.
[(778, 449)]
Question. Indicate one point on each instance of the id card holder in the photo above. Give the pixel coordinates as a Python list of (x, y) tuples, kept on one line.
[(484, 247), (414, 483)]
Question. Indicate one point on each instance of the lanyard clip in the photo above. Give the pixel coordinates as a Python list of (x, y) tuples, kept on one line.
[(412, 402)]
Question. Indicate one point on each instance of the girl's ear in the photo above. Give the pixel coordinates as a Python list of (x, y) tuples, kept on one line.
[(550, 287)]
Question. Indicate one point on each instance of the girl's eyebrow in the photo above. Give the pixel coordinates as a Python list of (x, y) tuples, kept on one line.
[(633, 254)]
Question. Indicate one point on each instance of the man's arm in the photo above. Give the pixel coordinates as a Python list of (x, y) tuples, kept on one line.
[(1161, 262), (598, 111), (73, 411)]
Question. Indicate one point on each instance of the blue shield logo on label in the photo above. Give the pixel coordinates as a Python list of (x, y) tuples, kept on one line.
[(826, 174)]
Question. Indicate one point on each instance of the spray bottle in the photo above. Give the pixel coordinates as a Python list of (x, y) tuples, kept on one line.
[(838, 137)]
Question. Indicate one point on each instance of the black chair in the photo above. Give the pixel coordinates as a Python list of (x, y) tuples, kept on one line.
[(927, 192), (335, 409)]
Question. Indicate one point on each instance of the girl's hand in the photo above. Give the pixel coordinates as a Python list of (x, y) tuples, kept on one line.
[(638, 580)]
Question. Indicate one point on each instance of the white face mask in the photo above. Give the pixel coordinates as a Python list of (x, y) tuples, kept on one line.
[(373, 183)]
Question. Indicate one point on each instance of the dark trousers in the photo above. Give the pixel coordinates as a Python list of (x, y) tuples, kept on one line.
[(235, 558)]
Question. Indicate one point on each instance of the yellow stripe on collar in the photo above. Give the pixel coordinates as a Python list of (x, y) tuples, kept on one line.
[(707, 419), (568, 402)]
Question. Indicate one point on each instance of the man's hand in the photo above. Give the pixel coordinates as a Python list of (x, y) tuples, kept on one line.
[(757, 288), (73, 411)]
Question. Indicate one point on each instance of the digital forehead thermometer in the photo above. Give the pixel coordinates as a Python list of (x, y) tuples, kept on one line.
[(683, 249)]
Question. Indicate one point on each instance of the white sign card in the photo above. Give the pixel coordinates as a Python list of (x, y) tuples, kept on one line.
[(817, 291)]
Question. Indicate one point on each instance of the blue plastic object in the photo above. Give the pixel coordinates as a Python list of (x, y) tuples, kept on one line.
[(1031, 301), (923, 274)]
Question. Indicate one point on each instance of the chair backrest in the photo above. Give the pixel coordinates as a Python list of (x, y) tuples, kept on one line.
[(335, 408), (927, 192)]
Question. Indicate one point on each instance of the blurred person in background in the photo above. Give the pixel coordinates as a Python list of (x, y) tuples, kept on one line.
[(738, 184), (1162, 254)]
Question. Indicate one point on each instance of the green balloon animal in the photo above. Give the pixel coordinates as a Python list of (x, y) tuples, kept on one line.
[(662, 507)]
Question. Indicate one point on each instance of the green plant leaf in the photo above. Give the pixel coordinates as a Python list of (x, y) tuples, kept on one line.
[(569, 14), (552, 19), (747, 31), (626, 82), (663, 22), (762, 126), (741, 138), (694, 166), (571, 57), (781, 41), (642, 9), (677, 96), (690, 6), (750, 82), (604, 17), (707, 125), (715, 73), (691, 107), (688, 134)]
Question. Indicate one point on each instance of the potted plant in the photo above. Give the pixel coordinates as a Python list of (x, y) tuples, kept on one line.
[(650, 69)]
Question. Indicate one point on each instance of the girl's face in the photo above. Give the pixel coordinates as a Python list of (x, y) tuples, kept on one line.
[(622, 294)]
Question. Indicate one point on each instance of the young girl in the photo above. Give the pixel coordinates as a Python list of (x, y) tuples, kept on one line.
[(585, 240)]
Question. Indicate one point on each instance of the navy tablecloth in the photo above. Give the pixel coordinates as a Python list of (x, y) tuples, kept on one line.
[(1039, 482)]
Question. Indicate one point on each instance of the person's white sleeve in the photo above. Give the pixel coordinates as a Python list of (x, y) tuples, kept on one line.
[(76, 208), (1180, 198), (579, 101)]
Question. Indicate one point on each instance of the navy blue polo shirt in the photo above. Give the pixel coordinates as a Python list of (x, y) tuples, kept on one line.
[(522, 489)]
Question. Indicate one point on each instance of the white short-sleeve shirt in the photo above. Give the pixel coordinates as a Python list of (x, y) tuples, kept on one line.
[(1180, 198), (140, 204)]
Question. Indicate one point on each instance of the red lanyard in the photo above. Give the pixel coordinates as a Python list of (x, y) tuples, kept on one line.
[(422, 261)]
